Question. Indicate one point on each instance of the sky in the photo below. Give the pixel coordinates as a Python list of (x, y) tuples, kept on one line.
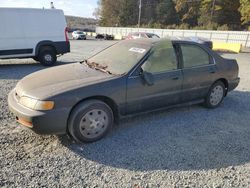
[(82, 8)]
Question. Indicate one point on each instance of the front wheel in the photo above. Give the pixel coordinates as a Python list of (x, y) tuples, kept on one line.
[(90, 121), (215, 95)]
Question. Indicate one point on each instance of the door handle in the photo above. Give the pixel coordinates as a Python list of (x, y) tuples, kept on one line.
[(212, 70)]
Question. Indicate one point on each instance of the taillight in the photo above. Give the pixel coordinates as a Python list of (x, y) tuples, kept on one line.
[(66, 34)]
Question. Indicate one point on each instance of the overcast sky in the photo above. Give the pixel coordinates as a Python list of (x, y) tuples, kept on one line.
[(83, 8)]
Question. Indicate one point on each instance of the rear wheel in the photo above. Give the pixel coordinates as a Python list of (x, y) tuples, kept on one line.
[(47, 56), (90, 121), (215, 95)]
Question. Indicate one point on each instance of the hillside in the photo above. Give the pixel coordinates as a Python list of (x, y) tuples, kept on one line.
[(74, 22)]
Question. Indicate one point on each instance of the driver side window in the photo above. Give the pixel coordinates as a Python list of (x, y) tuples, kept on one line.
[(161, 59)]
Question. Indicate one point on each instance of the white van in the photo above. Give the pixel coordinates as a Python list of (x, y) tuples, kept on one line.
[(37, 33)]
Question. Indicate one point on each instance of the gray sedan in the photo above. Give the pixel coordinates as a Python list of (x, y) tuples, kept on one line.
[(133, 76)]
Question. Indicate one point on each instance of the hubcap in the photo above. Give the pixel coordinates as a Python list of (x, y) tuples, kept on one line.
[(48, 57), (216, 95), (94, 123)]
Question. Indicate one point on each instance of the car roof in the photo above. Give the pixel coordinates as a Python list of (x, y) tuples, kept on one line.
[(189, 39), (156, 40), (149, 42)]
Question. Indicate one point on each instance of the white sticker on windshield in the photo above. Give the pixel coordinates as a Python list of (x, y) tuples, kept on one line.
[(137, 50)]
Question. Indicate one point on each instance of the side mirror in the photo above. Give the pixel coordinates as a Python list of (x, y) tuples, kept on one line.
[(148, 77)]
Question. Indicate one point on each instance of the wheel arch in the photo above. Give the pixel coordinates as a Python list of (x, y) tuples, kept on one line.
[(110, 102), (42, 44), (225, 82)]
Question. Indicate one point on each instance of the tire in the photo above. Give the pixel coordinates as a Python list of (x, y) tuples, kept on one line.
[(81, 125), (215, 95), (47, 56), (35, 58)]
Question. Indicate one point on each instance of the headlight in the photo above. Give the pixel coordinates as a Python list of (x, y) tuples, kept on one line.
[(36, 104)]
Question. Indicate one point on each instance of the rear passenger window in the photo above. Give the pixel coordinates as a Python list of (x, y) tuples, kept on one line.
[(194, 56)]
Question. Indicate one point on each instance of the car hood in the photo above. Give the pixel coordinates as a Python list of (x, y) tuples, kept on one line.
[(52, 81)]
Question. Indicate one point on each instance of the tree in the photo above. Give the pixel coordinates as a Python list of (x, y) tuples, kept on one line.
[(166, 13), (208, 9), (148, 15), (207, 14), (220, 12), (97, 11), (229, 14), (189, 11), (110, 11), (245, 11), (128, 15)]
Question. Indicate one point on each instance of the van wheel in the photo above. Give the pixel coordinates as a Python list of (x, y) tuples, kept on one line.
[(90, 121), (47, 56)]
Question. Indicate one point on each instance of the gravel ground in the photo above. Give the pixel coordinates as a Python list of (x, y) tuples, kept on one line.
[(182, 147)]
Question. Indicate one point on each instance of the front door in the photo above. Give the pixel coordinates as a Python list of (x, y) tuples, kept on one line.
[(165, 89)]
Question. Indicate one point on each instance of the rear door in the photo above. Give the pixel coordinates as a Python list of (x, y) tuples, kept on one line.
[(199, 70), (167, 78)]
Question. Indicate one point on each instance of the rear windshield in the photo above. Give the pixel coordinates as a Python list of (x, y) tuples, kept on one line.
[(121, 57)]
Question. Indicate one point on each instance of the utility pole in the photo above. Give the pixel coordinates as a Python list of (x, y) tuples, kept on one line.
[(212, 12), (139, 19)]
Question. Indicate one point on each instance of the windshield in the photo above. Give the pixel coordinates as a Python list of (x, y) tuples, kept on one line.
[(79, 32), (121, 57)]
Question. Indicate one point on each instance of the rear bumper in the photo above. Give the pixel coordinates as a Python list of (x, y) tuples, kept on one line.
[(233, 84), (42, 122), (62, 47)]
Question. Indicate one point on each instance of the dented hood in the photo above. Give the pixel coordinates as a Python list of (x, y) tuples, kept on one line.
[(52, 81)]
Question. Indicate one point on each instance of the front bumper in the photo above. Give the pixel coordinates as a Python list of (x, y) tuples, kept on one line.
[(62, 47), (42, 122), (81, 37), (233, 84)]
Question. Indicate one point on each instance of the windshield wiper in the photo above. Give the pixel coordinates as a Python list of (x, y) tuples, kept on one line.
[(96, 66)]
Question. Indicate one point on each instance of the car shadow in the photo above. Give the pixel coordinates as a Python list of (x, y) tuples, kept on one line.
[(18, 71), (186, 138)]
